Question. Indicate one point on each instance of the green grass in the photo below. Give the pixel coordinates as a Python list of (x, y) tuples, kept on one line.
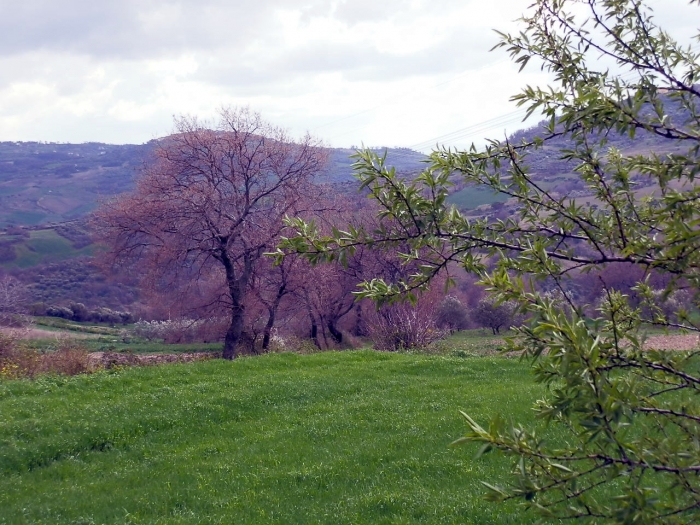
[(103, 337), (337, 438), (105, 344), (472, 343), (45, 246), (66, 325)]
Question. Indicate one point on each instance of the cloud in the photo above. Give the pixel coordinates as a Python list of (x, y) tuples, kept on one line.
[(130, 29), (124, 67)]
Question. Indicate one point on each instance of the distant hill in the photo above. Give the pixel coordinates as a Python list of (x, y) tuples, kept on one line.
[(556, 174), (42, 183), (47, 188)]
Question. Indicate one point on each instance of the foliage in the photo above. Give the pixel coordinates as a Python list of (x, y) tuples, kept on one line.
[(280, 438), (80, 313), (13, 300), (631, 416), (76, 280), (18, 361), (181, 330)]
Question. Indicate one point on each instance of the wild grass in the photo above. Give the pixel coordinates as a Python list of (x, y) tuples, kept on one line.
[(471, 343), (355, 437), (17, 360)]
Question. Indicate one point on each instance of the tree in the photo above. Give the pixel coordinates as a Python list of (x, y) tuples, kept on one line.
[(272, 283), (451, 314), (629, 416), (13, 301), (494, 314), (211, 202)]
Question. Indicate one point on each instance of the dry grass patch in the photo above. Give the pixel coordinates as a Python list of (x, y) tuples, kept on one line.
[(673, 342), (18, 361), (32, 333), (108, 360)]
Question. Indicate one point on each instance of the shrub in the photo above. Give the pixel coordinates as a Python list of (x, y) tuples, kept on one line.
[(13, 297), (18, 361), (183, 330), (59, 311), (402, 327)]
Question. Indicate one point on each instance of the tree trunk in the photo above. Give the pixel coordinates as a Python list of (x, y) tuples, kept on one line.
[(360, 329), (237, 288), (273, 314), (233, 334), (314, 331), (314, 325), (336, 334)]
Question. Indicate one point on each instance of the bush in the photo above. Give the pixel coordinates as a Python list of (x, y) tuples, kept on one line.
[(78, 312), (13, 298), (59, 311), (175, 331), (18, 361), (402, 327)]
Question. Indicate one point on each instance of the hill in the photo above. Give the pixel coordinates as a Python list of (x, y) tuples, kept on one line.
[(43, 183), (556, 174)]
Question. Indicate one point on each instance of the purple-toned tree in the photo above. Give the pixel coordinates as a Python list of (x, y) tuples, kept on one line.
[(211, 202)]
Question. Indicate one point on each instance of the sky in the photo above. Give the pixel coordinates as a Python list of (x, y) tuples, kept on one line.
[(396, 73)]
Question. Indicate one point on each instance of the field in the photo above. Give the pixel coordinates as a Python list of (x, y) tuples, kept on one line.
[(45, 246), (337, 437)]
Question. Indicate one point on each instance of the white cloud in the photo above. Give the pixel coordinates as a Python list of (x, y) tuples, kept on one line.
[(396, 72)]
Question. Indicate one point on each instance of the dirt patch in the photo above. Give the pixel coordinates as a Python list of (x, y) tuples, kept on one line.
[(673, 342), (112, 359)]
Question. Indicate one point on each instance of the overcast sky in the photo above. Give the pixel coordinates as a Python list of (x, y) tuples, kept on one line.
[(378, 72)]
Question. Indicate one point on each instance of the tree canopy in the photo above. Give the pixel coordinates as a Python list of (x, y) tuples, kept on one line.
[(629, 415)]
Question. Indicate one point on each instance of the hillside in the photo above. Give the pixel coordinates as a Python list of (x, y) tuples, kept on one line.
[(47, 188), (556, 174), (43, 183)]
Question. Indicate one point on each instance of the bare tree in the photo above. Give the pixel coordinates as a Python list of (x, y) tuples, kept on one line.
[(451, 314), (13, 298), (212, 200), (494, 315)]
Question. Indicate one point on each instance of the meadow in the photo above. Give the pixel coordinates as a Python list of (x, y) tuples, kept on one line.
[(335, 437)]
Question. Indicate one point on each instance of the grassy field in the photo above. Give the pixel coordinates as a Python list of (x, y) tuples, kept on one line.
[(45, 246), (337, 437)]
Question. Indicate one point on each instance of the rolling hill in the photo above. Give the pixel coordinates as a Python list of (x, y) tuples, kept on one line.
[(44, 183)]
